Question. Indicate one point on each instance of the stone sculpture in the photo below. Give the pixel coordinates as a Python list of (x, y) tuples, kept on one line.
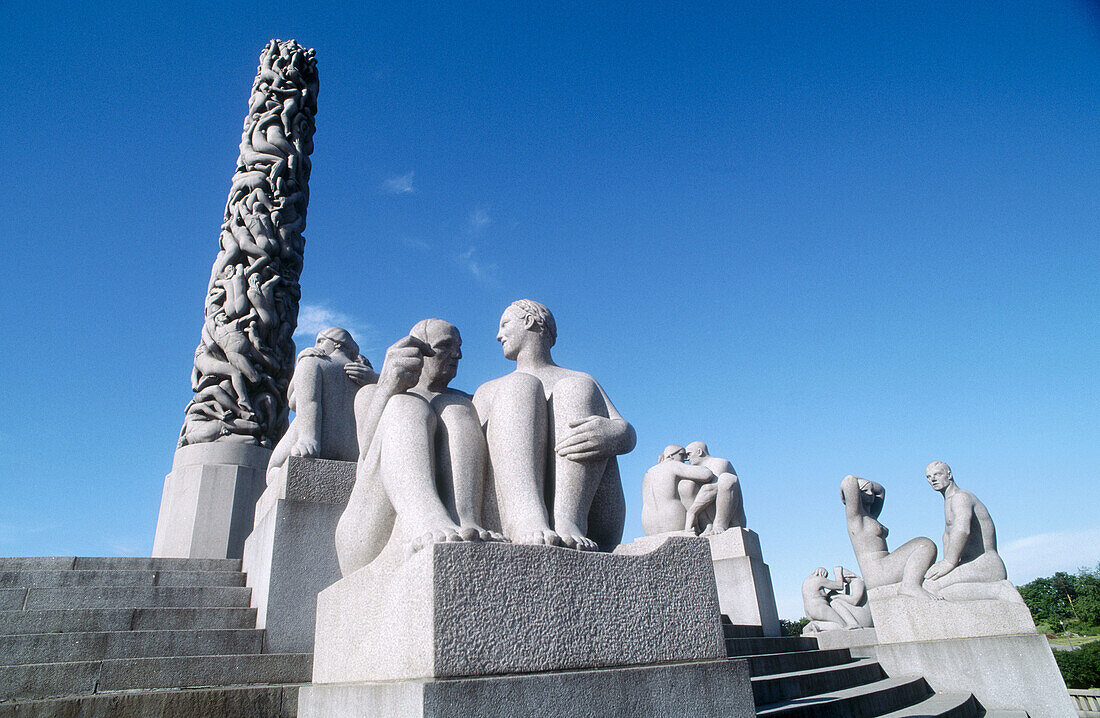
[(718, 503), (971, 568), (663, 510), (421, 469), (322, 397), (906, 565), (244, 360), (542, 406), (835, 604)]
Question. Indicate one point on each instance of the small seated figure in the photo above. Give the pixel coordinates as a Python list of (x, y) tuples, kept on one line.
[(906, 565), (420, 475), (718, 503), (322, 397), (971, 568), (552, 432), (837, 604), (662, 509)]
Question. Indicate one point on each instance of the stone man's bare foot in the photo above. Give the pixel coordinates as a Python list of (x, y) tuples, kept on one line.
[(444, 534), (544, 537), (572, 537), (473, 532)]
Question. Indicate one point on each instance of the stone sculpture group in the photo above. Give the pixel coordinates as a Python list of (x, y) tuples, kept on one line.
[(702, 496), (435, 464), (840, 603)]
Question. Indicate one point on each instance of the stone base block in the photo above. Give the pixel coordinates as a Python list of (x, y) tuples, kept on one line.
[(482, 609), (900, 619), (1003, 672), (743, 580), (290, 556), (207, 507), (861, 641), (705, 689)]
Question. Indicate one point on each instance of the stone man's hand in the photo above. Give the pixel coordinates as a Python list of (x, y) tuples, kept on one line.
[(938, 570), (402, 365), (590, 439), (360, 372)]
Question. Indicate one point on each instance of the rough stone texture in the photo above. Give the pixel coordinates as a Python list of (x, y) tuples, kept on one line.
[(209, 499), (705, 689), (899, 619), (1003, 672), (470, 609), (743, 580), (315, 480), (291, 555)]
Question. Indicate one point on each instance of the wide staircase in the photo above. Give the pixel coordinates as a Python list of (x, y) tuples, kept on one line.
[(137, 637), (793, 678)]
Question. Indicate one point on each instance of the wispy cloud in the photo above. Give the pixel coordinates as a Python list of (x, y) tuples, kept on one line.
[(485, 272), (1030, 557), (312, 318), (478, 220), (399, 185)]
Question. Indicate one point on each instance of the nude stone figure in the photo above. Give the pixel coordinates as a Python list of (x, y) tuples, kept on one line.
[(906, 565), (969, 545), (835, 604), (420, 476), (553, 436), (719, 501), (322, 397), (662, 509)]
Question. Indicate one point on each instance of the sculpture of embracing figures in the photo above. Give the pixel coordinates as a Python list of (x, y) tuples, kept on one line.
[(428, 452)]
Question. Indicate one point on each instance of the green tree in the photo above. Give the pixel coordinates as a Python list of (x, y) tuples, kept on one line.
[(792, 628), (1080, 668)]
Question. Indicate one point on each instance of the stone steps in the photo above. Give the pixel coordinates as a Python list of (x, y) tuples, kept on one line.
[(92, 646), (778, 663), (110, 563), (49, 680), (736, 647), (942, 705), (243, 702), (102, 577), (125, 619), (776, 687), (29, 599), (875, 698)]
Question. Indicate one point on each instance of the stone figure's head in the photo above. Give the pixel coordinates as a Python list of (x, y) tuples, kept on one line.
[(673, 452), (446, 342), (696, 452), (871, 495), (523, 321), (938, 475), (333, 339)]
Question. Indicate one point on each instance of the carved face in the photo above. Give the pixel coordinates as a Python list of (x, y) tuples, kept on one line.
[(327, 345), (512, 332), (694, 454), (938, 475), (677, 455), (447, 343)]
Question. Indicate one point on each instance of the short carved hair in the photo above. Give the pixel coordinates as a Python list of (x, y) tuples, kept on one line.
[(341, 337), (423, 329), (542, 316)]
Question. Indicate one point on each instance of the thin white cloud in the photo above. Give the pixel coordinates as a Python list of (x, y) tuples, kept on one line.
[(478, 220), (399, 185), (1031, 557), (312, 318), (485, 272)]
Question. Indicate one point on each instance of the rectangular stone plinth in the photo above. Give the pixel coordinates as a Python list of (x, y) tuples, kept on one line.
[(900, 619), (742, 578), (482, 609), (1003, 672), (860, 642), (209, 499), (707, 689), (290, 556)]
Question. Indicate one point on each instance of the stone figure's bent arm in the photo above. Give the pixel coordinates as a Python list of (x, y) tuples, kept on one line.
[(961, 508)]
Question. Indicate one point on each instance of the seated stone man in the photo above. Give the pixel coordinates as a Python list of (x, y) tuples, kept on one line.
[(721, 498), (322, 397), (569, 496), (970, 568), (421, 470), (662, 509)]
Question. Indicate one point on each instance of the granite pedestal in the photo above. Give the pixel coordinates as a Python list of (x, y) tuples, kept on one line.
[(987, 647), (290, 556), (499, 629), (743, 581), (208, 503)]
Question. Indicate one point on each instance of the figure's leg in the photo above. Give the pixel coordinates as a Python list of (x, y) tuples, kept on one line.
[(607, 515), (575, 482), (729, 508), (906, 566), (366, 525), (844, 610), (281, 452), (704, 499), (462, 458), (820, 610), (406, 433), (516, 432)]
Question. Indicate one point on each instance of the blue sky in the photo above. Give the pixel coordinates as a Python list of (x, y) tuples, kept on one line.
[(824, 238)]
